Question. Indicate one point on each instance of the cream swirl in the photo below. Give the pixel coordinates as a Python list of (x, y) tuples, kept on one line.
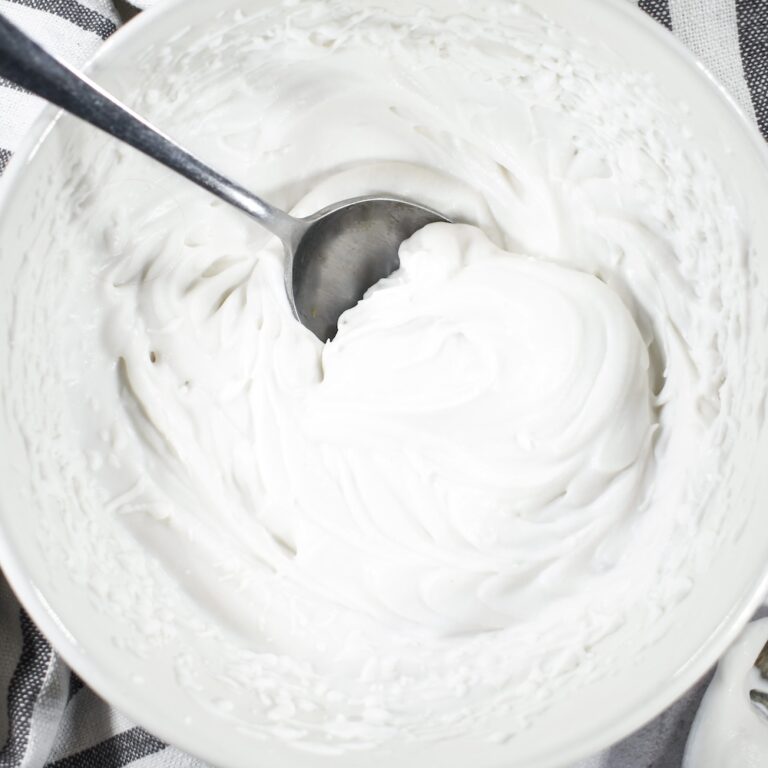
[(492, 416)]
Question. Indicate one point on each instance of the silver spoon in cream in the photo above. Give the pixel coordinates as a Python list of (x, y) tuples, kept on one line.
[(332, 257)]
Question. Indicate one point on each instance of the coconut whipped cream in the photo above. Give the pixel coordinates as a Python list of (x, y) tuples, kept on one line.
[(430, 524)]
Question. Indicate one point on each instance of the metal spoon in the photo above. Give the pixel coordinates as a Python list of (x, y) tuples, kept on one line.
[(332, 257)]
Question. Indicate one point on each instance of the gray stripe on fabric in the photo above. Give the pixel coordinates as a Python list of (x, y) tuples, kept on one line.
[(125, 10), (74, 12), (10, 650), (709, 28), (5, 156), (659, 10), (752, 22), (86, 721), (24, 690), (115, 752), (75, 686)]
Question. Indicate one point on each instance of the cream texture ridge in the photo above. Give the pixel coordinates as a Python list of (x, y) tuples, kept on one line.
[(500, 468)]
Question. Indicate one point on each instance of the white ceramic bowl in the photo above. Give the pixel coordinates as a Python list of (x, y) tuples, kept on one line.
[(145, 686)]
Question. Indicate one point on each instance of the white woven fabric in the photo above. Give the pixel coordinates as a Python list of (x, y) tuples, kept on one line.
[(48, 718), (710, 30)]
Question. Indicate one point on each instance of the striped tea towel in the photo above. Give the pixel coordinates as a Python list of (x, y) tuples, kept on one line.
[(48, 718)]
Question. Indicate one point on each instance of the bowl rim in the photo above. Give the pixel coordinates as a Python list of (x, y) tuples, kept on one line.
[(67, 646)]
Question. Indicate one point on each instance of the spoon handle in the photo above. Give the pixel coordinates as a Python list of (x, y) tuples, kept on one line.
[(25, 63)]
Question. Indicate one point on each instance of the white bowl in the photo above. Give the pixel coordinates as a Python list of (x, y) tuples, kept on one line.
[(145, 687)]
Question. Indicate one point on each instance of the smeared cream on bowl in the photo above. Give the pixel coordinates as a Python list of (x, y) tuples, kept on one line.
[(730, 731), (436, 520)]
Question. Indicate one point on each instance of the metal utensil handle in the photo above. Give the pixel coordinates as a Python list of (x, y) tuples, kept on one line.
[(25, 63)]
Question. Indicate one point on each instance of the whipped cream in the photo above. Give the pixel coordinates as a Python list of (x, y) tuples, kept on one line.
[(730, 731), (433, 523)]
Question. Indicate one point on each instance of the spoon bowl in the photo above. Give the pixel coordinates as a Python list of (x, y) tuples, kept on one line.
[(344, 250)]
